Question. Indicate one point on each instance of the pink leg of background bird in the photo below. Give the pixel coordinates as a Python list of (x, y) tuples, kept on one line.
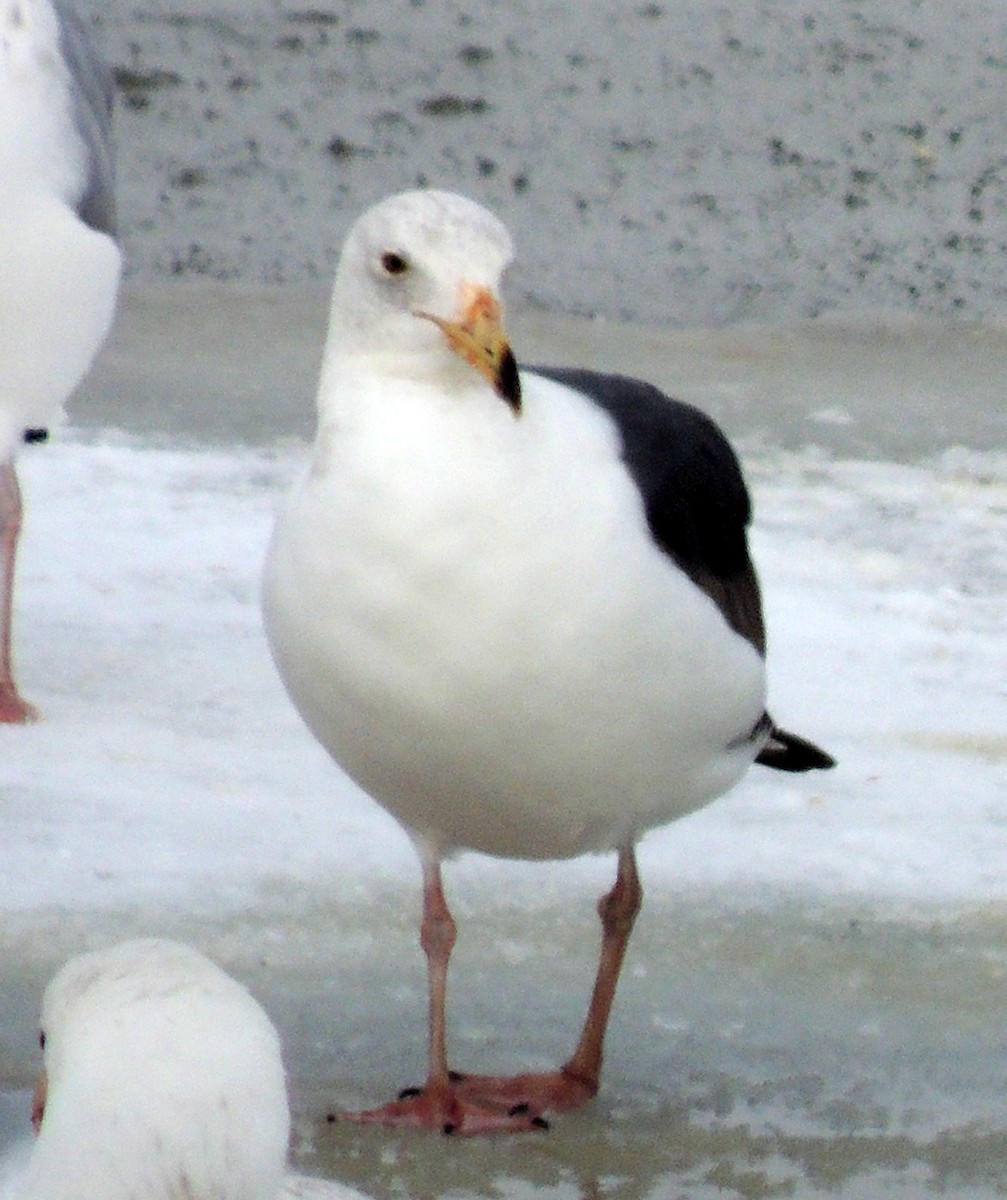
[(12, 708)]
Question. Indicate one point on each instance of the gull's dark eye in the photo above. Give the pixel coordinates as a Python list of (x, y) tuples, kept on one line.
[(393, 263)]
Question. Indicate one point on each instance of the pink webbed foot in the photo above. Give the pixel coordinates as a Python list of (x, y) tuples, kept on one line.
[(14, 710), (549, 1091), (444, 1109)]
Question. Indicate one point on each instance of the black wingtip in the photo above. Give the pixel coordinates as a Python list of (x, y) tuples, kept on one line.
[(787, 752)]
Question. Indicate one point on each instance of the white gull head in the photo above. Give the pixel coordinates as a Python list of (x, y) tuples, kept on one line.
[(417, 254)]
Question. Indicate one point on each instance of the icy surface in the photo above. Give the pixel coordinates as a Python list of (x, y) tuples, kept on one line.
[(814, 993)]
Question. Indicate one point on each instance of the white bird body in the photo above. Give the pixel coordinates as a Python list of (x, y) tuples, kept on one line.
[(54, 321), (471, 615), (60, 275), (164, 1080)]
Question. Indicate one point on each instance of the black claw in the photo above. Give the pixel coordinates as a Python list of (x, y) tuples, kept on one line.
[(410, 1092), (540, 1122), (330, 1118), (455, 1076), (448, 1128), (519, 1110)]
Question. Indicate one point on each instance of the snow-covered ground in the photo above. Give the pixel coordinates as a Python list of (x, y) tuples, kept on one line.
[(170, 768), (818, 972)]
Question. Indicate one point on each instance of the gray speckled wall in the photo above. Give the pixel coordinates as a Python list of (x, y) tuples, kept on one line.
[(677, 163)]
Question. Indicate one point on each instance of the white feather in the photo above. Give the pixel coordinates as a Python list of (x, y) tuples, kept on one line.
[(165, 1080)]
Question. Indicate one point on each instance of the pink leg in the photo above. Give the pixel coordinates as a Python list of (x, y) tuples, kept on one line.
[(467, 1104), (13, 709), (437, 1105), (577, 1080)]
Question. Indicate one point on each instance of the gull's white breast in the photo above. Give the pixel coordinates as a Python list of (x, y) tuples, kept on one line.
[(471, 615)]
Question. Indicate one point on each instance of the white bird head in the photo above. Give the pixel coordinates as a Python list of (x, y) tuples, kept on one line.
[(418, 283), (164, 1079)]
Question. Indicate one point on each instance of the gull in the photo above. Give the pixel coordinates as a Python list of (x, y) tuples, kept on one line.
[(515, 605), (59, 262), (162, 1078)]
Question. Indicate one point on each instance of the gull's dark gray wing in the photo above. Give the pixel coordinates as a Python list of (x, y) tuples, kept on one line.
[(692, 488), (698, 511)]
